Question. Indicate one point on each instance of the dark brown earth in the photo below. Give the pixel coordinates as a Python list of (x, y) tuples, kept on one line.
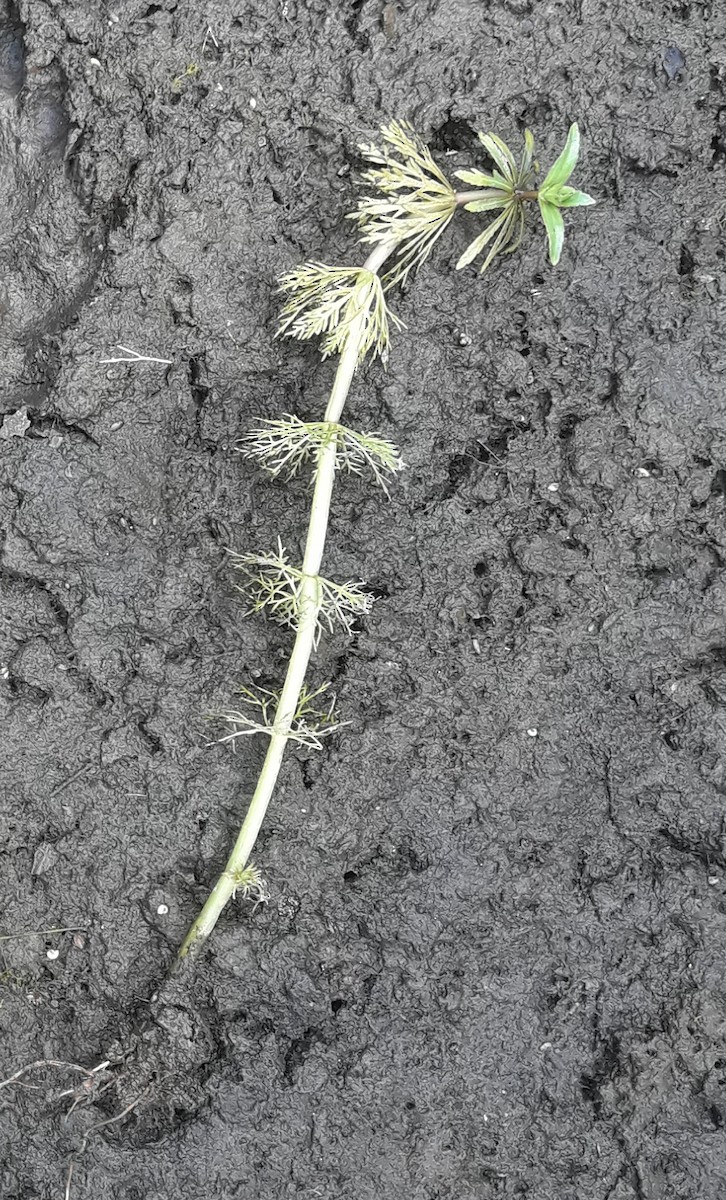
[(493, 961)]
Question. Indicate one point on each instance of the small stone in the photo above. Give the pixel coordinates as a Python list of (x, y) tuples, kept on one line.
[(253, 102), (553, 487), (532, 732), (674, 61), (713, 880), (162, 909), (546, 1046), (15, 424), (44, 859), (52, 954)]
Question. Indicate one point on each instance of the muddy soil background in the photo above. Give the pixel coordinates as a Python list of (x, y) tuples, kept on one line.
[(493, 961)]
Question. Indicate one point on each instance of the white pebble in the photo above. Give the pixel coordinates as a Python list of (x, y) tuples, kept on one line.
[(553, 487), (532, 732), (253, 102), (713, 880), (52, 954), (162, 909)]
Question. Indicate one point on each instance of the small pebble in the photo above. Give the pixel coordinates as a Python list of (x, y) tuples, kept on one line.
[(162, 909), (674, 61), (713, 880), (116, 425), (15, 424), (546, 1046), (52, 954), (553, 487), (253, 102), (532, 732)]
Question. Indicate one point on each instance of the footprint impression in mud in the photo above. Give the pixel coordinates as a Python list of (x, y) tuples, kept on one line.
[(47, 254)]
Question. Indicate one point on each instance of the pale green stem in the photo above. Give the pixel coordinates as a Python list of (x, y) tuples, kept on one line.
[(309, 598), (469, 197)]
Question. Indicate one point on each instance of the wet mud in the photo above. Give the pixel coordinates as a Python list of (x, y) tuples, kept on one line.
[(492, 964)]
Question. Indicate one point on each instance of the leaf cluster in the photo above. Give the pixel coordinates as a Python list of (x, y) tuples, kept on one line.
[(287, 443), (416, 202), (309, 725), (509, 187), (328, 301), (501, 190), (555, 194), (274, 585)]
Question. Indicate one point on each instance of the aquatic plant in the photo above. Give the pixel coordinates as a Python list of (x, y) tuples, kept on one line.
[(411, 205)]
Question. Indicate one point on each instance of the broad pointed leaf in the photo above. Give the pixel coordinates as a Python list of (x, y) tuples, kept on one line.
[(561, 170), (555, 227), (568, 197)]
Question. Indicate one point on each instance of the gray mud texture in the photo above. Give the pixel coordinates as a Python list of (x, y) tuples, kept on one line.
[(493, 961)]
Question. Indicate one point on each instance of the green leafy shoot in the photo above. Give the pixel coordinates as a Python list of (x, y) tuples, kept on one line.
[(309, 725), (418, 200), (509, 187), (554, 194), (274, 585), (285, 444), (326, 301)]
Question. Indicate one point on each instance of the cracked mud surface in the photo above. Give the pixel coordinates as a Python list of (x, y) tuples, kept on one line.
[(493, 961)]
